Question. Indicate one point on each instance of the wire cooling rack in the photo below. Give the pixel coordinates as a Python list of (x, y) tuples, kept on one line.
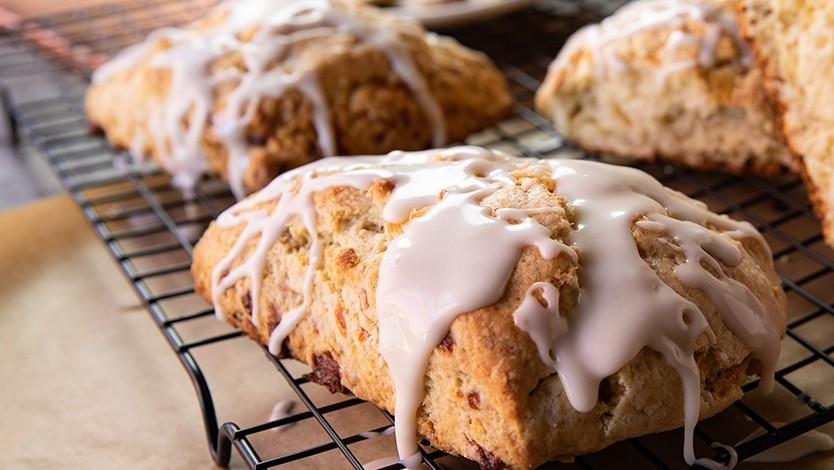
[(150, 229)]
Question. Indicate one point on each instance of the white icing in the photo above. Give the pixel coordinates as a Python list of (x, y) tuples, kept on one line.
[(426, 273), (793, 449), (538, 316), (280, 24), (717, 20)]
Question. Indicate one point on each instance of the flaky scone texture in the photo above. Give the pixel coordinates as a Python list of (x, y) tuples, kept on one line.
[(793, 44), (640, 89), (488, 394), (370, 108)]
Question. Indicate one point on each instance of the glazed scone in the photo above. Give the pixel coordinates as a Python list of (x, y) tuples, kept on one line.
[(669, 80), (255, 88), (793, 43), (462, 289)]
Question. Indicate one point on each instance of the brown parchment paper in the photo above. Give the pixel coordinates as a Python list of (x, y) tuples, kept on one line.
[(80, 361)]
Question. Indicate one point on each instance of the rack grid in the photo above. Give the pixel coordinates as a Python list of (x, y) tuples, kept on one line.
[(150, 229)]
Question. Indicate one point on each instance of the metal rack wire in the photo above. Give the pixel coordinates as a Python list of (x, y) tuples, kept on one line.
[(150, 229)]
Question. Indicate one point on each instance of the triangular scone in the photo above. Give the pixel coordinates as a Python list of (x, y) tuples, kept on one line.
[(669, 80), (255, 88), (509, 310), (794, 44)]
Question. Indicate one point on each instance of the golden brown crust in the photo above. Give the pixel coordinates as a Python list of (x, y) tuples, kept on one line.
[(789, 40), (372, 110), (489, 396), (643, 107)]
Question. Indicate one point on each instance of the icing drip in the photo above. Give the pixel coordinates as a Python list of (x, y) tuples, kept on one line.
[(644, 15), (425, 280), (416, 310), (280, 24), (713, 465), (536, 316), (614, 322), (739, 305)]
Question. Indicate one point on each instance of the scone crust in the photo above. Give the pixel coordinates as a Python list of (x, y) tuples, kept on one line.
[(489, 396), (787, 38)]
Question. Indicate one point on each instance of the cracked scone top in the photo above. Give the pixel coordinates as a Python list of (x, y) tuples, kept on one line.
[(257, 87), (510, 310)]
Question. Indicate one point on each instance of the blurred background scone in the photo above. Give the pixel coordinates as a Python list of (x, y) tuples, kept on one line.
[(669, 80), (256, 88)]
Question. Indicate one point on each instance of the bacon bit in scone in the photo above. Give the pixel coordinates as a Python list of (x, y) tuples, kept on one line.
[(486, 459), (448, 344), (246, 302), (363, 335), (474, 400), (339, 313), (326, 372), (258, 140), (348, 259), (274, 318)]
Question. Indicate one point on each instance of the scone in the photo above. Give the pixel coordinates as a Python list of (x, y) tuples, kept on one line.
[(669, 80), (509, 310), (255, 88), (793, 43)]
